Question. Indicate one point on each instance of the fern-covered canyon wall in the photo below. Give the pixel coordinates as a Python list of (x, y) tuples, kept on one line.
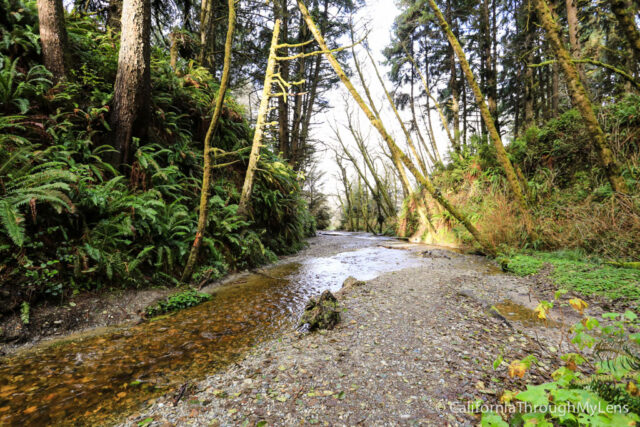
[(79, 212)]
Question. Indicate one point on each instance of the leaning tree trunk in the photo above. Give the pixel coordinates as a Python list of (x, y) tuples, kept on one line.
[(393, 147), (580, 98), (206, 173), (406, 132), (247, 187), (623, 10), (53, 35), (130, 113), (501, 153), (443, 118)]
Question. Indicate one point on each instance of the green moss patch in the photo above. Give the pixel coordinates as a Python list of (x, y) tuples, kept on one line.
[(577, 272)]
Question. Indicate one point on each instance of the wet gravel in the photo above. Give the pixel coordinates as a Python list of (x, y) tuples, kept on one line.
[(414, 347)]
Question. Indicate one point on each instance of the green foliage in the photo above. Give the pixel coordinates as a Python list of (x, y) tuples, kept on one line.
[(178, 301), (17, 88), (24, 313), (26, 184), (523, 265), (572, 270), (69, 221), (608, 396)]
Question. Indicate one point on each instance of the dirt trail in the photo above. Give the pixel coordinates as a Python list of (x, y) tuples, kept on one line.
[(414, 347)]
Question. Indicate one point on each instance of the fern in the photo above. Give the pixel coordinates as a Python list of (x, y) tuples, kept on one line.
[(11, 220), (28, 184)]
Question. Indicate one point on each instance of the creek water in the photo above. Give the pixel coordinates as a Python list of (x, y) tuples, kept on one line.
[(100, 378)]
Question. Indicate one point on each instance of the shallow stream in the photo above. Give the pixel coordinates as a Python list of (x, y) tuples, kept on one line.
[(99, 379)]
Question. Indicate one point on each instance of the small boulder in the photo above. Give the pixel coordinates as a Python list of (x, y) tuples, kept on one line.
[(320, 313), (351, 282)]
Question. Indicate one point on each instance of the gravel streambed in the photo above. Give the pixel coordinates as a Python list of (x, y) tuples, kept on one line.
[(414, 347)]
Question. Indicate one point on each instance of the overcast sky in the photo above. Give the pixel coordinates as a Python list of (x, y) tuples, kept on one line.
[(378, 16)]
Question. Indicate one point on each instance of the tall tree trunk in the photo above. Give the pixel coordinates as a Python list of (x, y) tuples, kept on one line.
[(315, 73), (298, 103), (528, 76), (393, 147), (512, 178), (281, 11), (453, 86), (247, 187), (574, 34), (207, 168), (53, 36), (443, 118), (555, 90), (580, 98), (347, 194), (623, 10), (130, 113), (207, 35), (491, 78), (174, 50)]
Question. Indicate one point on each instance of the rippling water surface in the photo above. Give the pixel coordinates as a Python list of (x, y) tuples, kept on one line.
[(99, 378)]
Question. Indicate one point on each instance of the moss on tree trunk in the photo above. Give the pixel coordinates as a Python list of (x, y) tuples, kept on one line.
[(579, 97)]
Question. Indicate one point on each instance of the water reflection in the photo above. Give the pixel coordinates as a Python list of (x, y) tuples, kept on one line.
[(96, 379)]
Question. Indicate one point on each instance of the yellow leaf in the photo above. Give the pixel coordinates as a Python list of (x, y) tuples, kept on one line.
[(507, 396), (578, 304), (633, 389), (541, 311), (121, 394), (517, 369), (30, 410)]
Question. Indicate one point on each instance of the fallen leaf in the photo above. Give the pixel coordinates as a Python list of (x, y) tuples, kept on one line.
[(517, 368)]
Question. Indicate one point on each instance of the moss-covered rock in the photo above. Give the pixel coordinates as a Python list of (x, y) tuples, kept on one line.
[(351, 282), (320, 313)]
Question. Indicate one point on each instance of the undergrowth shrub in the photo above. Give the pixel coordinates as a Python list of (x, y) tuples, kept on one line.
[(571, 202), (178, 301), (71, 222), (595, 382)]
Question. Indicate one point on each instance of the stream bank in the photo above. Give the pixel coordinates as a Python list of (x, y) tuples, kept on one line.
[(89, 313), (100, 376), (414, 346), (415, 342)]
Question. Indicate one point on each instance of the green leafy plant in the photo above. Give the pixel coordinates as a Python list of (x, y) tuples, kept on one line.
[(178, 301), (26, 183), (24, 313), (17, 88), (597, 384), (573, 270), (80, 223)]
